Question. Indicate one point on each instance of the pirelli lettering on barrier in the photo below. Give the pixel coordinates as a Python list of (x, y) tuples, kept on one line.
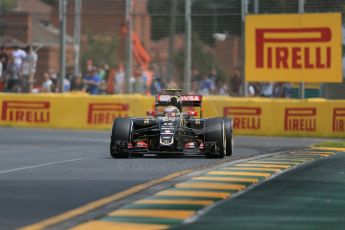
[(296, 56), (105, 113), (300, 119), (26, 112), (293, 48), (244, 118), (338, 120)]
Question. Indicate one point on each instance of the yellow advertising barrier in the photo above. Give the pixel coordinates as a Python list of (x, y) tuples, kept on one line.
[(69, 110), (251, 116), (281, 117)]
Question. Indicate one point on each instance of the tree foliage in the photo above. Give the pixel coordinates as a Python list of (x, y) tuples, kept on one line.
[(220, 16), (208, 17), (202, 60), (51, 2), (8, 5), (101, 50)]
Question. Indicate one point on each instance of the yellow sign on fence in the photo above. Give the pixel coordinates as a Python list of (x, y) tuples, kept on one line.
[(294, 48)]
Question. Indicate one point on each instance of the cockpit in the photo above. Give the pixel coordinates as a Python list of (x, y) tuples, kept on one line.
[(171, 111)]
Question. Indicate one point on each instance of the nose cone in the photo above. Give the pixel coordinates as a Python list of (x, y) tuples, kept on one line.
[(167, 132)]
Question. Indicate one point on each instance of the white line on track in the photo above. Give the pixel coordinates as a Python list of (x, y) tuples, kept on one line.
[(40, 165)]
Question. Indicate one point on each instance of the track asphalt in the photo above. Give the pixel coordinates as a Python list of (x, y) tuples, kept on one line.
[(47, 172)]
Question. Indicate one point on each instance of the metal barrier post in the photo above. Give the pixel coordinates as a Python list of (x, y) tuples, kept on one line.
[(244, 13), (129, 56), (301, 86), (77, 17), (188, 48), (63, 4)]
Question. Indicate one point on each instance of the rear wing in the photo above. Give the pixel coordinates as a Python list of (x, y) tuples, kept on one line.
[(186, 100)]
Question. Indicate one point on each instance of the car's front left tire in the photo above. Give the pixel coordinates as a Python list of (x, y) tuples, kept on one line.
[(121, 132)]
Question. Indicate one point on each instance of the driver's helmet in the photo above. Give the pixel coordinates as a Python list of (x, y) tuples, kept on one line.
[(171, 111), (175, 102)]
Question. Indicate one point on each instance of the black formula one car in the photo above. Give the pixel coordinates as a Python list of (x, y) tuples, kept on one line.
[(172, 127)]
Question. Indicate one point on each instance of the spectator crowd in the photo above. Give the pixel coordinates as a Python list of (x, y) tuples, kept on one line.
[(17, 69), (18, 75)]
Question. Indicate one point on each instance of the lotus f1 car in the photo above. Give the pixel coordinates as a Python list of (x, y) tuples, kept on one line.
[(174, 126)]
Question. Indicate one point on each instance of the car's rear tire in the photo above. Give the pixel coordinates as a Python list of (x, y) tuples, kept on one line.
[(215, 132), (228, 134), (121, 132)]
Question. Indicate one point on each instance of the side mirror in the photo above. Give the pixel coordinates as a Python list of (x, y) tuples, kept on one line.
[(192, 113), (151, 113)]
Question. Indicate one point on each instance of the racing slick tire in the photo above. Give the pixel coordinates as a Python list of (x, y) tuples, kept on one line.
[(228, 134), (121, 131), (215, 132)]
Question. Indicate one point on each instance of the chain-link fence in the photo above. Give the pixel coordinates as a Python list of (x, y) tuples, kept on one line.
[(157, 55), (217, 42)]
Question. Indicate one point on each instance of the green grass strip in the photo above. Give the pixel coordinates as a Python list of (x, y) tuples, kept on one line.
[(340, 144), (143, 220), (165, 206)]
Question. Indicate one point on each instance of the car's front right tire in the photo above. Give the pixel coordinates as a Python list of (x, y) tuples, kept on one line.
[(215, 132), (228, 134)]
